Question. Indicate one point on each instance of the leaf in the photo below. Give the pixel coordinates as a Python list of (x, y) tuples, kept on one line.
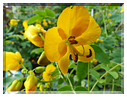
[(7, 81), (64, 88), (60, 81), (79, 88), (33, 19), (71, 65), (18, 76), (82, 70), (101, 66), (114, 74), (95, 73), (37, 50), (49, 12), (55, 72), (40, 13), (100, 55), (117, 60), (17, 36)]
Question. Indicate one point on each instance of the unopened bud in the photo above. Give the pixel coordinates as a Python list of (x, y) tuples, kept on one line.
[(41, 87), (39, 69), (24, 71), (47, 85), (43, 60), (98, 41)]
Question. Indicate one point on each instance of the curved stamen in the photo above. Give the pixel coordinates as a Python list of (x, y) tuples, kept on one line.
[(89, 54)]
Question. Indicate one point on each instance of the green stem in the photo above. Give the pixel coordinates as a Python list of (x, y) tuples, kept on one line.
[(71, 71), (104, 75), (71, 85), (113, 85), (40, 34), (88, 77), (23, 66)]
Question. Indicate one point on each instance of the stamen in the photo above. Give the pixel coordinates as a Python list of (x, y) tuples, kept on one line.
[(76, 57), (73, 41), (71, 37)]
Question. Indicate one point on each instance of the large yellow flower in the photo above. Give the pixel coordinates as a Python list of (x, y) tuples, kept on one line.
[(48, 72), (30, 84), (13, 22), (12, 61), (32, 34), (75, 30)]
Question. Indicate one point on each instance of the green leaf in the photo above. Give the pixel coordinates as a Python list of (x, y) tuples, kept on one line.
[(49, 12), (7, 81), (100, 55), (37, 50), (18, 76), (64, 88), (101, 80), (17, 36), (71, 65), (82, 70), (55, 72), (95, 73), (114, 74), (117, 60), (33, 19), (101, 66), (60, 81), (71, 79), (7, 42), (79, 88), (40, 13)]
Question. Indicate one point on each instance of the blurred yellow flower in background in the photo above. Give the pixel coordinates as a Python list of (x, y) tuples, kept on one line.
[(32, 34), (13, 22), (30, 84), (25, 25), (122, 9), (49, 21), (12, 61), (48, 72), (109, 14), (44, 23)]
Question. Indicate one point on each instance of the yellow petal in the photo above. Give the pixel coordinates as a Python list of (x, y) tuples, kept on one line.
[(52, 40), (64, 20), (64, 62), (45, 76), (88, 51), (50, 68), (79, 20), (91, 34)]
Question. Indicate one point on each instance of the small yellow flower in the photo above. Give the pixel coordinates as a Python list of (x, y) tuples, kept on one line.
[(47, 85), (30, 84), (122, 9), (12, 61), (94, 61), (41, 87), (109, 14), (15, 86), (32, 61), (49, 21), (12, 42), (44, 20), (48, 72), (44, 23), (13, 22), (32, 34), (25, 25)]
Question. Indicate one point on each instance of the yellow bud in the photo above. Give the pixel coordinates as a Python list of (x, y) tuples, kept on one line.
[(43, 60), (15, 86), (38, 85), (41, 87), (47, 85), (39, 69)]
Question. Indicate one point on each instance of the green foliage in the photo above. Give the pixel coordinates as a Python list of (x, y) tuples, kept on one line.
[(33, 19), (37, 50), (64, 88)]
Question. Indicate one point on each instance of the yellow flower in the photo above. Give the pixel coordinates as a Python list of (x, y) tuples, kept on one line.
[(122, 9), (47, 85), (21, 32), (30, 84), (13, 22), (94, 61), (48, 72), (41, 87), (15, 86), (44, 23), (38, 25), (75, 30), (109, 14), (25, 25), (32, 34), (44, 20), (12, 61), (12, 42), (49, 21)]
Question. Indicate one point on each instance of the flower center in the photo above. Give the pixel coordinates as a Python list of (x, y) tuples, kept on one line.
[(72, 40)]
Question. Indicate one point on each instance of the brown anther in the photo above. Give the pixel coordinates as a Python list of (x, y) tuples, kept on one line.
[(89, 54), (76, 57), (71, 37), (73, 42)]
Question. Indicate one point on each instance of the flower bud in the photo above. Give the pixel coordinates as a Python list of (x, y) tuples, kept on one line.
[(15, 86), (30, 84), (39, 69), (41, 87), (24, 71), (94, 61), (47, 85), (43, 59), (98, 41)]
